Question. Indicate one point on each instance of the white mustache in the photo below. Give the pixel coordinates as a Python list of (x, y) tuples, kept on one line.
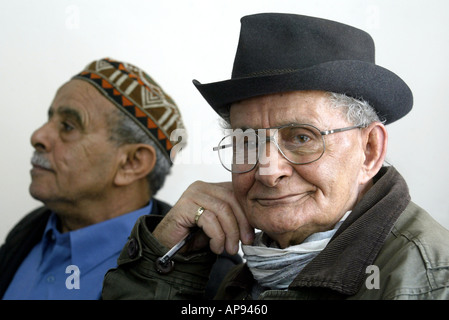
[(39, 160)]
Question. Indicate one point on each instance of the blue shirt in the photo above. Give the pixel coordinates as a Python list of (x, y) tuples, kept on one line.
[(72, 265)]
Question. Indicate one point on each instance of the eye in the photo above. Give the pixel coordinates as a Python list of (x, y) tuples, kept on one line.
[(297, 137), (300, 139), (66, 127)]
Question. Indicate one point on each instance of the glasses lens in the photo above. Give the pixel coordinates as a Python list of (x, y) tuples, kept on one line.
[(238, 151), (300, 144)]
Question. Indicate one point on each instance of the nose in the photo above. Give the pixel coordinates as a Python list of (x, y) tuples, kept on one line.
[(272, 166), (41, 138)]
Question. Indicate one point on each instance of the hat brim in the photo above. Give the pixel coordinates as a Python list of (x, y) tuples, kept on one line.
[(384, 90)]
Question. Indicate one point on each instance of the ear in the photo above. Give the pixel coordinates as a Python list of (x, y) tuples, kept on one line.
[(375, 141), (136, 162)]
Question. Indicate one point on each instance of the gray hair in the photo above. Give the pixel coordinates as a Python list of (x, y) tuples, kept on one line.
[(358, 111), (125, 131)]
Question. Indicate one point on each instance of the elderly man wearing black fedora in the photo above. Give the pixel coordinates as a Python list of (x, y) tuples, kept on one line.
[(306, 108)]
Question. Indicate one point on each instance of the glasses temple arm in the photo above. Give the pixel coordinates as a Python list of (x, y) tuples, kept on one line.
[(324, 133), (222, 147)]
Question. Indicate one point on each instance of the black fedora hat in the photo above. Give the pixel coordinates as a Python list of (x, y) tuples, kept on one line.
[(287, 52)]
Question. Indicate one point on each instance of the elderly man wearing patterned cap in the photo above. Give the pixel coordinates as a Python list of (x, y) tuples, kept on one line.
[(306, 108), (98, 162)]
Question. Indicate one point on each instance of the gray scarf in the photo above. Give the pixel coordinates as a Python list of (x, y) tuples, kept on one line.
[(275, 268)]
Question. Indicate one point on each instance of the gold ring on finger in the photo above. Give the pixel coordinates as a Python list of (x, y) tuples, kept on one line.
[(199, 212)]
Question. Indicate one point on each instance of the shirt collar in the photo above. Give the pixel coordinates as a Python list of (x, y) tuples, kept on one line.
[(93, 244)]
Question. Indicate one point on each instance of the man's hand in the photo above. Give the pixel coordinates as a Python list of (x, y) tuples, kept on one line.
[(223, 222)]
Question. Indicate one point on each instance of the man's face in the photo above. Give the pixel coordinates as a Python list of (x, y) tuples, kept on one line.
[(77, 159), (287, 201)]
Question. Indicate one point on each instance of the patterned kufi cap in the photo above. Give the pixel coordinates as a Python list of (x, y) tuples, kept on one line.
[(138, 96)]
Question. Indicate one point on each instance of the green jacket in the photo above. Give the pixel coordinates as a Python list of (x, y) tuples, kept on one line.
[(387, 248)]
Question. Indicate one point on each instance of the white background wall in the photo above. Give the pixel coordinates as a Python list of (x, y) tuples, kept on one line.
[(43, 43)]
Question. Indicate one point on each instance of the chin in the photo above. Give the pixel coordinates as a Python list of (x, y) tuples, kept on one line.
[(277, 227), (38, 193)]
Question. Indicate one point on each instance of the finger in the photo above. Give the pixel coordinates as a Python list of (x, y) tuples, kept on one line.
[(218, 199), (231, 230), (244, 227), (222, 228), (228, 214), (179, 221), (213, 229)]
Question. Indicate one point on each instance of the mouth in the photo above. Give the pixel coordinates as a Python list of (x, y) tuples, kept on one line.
[(39, 168), (281, 200), (40, 163)]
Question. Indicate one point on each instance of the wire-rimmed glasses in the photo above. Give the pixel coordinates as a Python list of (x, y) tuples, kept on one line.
[(240, 151)]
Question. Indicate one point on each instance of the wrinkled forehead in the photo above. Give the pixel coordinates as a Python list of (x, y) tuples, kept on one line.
[(79, 98), (82, 93), (300, 107)]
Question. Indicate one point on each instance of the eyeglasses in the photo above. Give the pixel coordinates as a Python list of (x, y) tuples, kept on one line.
[(240, 151)]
